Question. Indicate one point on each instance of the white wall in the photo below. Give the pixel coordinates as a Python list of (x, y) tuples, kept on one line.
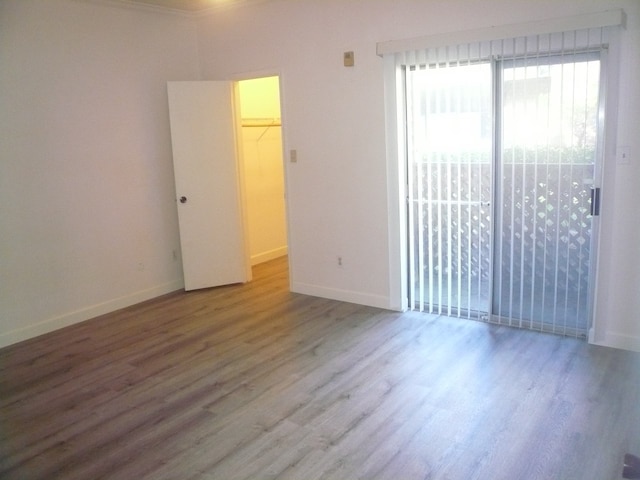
[(87, 215), (618, 303), (334, 118), (88, 220)]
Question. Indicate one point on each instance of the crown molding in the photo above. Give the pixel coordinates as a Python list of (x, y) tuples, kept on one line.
[(144, 6)]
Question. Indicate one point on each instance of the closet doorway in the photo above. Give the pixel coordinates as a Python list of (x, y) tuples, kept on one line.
[(260, 137)]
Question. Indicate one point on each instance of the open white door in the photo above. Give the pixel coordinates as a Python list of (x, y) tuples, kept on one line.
[(214, 249)]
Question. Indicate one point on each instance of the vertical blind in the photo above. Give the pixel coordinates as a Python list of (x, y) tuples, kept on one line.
[(449, 130), (502, 142)]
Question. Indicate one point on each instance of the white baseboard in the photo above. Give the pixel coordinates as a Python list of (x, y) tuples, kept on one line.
[(270, 255), (360, 298), (55, 323), (617, 340)]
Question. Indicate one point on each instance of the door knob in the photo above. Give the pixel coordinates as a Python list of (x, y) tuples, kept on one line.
[(183, 199)]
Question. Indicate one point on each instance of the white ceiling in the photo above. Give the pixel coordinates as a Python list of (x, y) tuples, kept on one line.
[(191, 6)]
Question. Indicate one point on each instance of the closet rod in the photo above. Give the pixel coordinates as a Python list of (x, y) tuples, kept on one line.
[(261, 122)]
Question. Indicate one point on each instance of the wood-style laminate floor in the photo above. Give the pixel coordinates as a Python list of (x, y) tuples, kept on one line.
[(253, 382)]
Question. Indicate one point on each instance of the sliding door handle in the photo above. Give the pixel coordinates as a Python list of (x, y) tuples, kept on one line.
[(595, 201)]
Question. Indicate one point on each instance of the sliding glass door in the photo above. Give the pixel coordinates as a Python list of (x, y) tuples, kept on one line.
[(501, 164)]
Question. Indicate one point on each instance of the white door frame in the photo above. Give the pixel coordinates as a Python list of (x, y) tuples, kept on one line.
[(396, 186), (236, 78), (397, 189)]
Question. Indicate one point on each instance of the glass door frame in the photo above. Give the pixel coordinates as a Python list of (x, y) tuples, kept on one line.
[(497, 70)]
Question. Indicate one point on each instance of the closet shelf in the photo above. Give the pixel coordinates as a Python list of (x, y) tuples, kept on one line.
[(261, 122)]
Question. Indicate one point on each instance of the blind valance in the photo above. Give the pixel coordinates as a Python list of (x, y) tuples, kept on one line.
[(582, 32)]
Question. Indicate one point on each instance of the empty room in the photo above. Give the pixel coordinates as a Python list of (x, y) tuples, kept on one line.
[(319, 239)]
